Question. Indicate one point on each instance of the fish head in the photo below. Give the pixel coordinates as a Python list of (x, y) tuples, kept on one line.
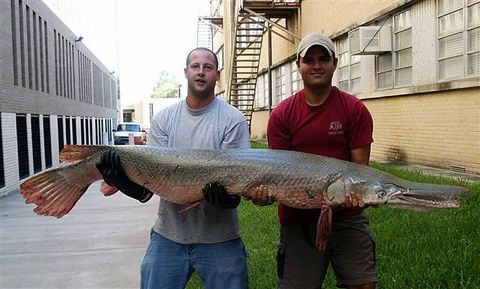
[(409, 195)]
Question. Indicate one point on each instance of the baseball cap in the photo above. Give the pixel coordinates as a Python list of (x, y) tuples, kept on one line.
[(315, 39)]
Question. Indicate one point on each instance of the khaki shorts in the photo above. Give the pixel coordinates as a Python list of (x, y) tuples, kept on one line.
[(351, 250)]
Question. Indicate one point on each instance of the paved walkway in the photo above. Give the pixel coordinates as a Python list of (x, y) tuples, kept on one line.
[(99, 244)]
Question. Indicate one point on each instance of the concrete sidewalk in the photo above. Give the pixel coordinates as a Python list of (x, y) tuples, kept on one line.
[(99, 244), (437, 172)]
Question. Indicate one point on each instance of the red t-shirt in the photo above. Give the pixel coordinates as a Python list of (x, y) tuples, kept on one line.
[(334, 128)]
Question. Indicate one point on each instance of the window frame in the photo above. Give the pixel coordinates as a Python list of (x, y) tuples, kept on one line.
[(280, 84), (220, 58), (464, 32), (343, 52), (295, 78), (394, 68)]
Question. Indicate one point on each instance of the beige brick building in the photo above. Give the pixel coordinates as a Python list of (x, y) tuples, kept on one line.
[(415, 64)]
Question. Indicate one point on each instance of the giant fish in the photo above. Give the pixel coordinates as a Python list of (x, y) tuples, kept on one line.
[(296, 179)]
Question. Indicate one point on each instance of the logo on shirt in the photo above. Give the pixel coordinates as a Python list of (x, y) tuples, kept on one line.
[(335, 128)]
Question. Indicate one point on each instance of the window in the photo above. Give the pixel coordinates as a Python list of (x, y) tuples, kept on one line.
[(221, 96), (385, 71), (150, 112), (220, 58), (22, 146), (473, 38), (349, 73), (60, 132), (266, 89), (36, 151), (296, 79), (2, 172), (133, 127), (395, 69), (217, 6), (279, 84), (402, 32), (458, 30), (259, 98), (47, 141)]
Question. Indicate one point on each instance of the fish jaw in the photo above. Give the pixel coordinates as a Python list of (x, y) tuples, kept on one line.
[(429, 196), (415, 196)]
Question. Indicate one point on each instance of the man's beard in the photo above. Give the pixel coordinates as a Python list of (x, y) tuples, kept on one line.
[(204, 93)]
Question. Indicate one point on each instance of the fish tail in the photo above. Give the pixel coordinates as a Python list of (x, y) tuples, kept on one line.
[(73, 154), (55, 192)]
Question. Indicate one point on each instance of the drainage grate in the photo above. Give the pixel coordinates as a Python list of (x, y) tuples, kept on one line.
[(459, 169)]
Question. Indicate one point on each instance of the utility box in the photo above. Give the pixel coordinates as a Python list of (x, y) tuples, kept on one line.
[(370, 40)]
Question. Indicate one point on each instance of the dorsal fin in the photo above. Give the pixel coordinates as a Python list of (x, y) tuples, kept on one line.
[(72, 154)]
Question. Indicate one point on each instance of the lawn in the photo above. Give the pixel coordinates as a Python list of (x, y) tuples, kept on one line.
[(438, 249)]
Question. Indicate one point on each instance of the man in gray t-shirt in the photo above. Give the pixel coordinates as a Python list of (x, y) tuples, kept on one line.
[(206, 239), (215, 126)]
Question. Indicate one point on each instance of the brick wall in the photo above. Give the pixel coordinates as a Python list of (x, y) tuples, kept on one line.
[(438, 129)]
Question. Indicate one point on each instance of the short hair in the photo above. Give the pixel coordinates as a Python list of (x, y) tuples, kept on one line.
[(202, 49)]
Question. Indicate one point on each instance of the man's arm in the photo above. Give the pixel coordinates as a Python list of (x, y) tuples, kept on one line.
[(278, 136), (361, 155), (237, 136)]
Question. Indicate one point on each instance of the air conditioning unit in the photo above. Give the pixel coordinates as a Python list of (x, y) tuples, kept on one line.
[(368, 40)]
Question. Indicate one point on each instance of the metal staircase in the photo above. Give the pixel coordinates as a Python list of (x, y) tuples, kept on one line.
[(246, 60)]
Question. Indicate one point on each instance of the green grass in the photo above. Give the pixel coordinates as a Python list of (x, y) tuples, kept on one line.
[(438, 249), (258, 145)]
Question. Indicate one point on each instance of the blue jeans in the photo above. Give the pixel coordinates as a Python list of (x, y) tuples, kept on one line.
[(169, 265)]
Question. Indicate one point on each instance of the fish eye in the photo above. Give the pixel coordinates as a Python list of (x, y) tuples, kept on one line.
[(381, 193)]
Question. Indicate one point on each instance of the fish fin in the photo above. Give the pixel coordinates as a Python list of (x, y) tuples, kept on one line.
[(72, 154), (330, 179), (324, 228), (107, 190), (55, 192), (247, 190), (190, 206)]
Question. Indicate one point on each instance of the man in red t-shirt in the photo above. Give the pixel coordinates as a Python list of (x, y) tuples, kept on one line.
[(321, 119)]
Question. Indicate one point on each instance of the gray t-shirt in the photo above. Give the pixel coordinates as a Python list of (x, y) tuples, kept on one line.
[(215, 126)]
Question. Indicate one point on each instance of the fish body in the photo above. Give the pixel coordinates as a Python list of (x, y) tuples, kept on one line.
[(296, 179)]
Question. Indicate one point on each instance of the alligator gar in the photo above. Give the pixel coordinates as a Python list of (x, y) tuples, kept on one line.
[(296, 179)]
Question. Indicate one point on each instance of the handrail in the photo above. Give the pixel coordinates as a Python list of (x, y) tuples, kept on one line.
[(272, 23)]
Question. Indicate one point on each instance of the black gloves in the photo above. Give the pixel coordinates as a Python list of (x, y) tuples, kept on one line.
[(216, 195), (111, 169)]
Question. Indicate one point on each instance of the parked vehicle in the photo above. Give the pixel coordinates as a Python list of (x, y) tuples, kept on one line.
[(124, 130)]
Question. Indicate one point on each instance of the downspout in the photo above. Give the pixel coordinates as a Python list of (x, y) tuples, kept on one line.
[(269, 69)]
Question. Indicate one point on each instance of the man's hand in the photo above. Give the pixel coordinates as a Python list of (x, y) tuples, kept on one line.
[(354, 200), (260, 196), (111, 169), (216, 195)]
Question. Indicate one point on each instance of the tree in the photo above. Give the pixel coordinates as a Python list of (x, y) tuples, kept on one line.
[(166, 87)]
